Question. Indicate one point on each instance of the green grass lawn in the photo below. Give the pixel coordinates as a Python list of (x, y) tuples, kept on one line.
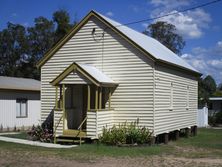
[(207, 143), (20, 135)]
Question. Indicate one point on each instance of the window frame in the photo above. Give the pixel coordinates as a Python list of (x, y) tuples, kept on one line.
[(171, 96), (188, 98), (20, 100)]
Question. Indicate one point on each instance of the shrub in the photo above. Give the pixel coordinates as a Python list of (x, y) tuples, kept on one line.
[(126, 133), (218, 118), (215, 119), (41, 134)]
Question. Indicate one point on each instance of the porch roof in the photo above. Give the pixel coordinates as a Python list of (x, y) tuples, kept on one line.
[(90, 72)]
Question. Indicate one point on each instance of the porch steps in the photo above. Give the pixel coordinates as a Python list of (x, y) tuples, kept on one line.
[(72, 137), (74, 133)]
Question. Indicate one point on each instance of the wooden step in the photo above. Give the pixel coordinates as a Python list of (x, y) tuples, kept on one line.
[(74, 133)]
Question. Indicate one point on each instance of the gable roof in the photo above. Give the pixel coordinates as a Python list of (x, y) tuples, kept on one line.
[(14, 83), (88, 71), (148, 45)]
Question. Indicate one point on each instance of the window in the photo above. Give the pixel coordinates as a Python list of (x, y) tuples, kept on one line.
[(187, 100), (21, 108), (171, 96)]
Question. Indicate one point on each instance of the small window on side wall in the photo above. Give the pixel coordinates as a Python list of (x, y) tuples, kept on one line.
[(21, 108), (171, 96), (187, 99)]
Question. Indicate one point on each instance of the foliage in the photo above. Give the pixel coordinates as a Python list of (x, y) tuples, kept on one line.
[(126, 133), (62, 19), (215, 119), (22, 47), (206, 89), (217, 93), (41, 134), (219, 87), (166, 34)]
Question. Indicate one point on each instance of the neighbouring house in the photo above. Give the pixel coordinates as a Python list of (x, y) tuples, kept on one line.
[(103, 73), (19, 103), (215, 105)]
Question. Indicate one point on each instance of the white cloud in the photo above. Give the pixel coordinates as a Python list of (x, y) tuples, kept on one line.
[(215, 63), (190, 24), (169, 4), (145, 25), (109, 14), (14, 14), (26, 24), (187, 56), (207, 60)]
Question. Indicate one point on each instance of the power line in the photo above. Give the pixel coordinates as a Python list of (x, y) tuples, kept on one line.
[(169, 14)]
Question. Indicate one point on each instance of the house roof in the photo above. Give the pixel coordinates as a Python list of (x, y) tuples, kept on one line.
[(88, 71), (149, 45), (215, 98), (14, 83), (97, 74)]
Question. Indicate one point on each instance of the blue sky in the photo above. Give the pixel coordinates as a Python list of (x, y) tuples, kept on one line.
[(201, 28)]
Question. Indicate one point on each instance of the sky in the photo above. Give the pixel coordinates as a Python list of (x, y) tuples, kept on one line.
[(201, 28)]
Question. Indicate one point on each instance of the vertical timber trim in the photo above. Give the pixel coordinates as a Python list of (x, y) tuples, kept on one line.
[(109, 98), (96, 98), (96, 124), (88, 100), (60, 96), (63, 105), (56, 98), (100, 98)]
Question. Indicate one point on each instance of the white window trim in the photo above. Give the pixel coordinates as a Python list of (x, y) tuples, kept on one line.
[(187, 98), (171, 96), (26, 108)]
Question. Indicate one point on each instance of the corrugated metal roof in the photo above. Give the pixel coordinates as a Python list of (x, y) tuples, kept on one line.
[(95, 73), (19, 83), (151, 45)]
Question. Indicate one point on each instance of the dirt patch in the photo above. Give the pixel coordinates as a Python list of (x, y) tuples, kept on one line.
[(28, 159)]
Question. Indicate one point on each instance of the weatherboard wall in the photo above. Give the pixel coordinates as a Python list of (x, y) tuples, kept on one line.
[(8, 118), (132, 99), (175, 100)]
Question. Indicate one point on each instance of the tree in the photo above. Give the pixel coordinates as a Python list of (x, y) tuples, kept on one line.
[(21, 48), (219, 87), (209, 84), (41, 38), (13, 49), (62, 19), (206, 89), (166, 34)]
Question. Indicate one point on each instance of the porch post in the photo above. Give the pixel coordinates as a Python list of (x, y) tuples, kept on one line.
[(63, 105), (88, 102), (60, 96), (100, 98), (109, 98), (56, 98), (96, 98)]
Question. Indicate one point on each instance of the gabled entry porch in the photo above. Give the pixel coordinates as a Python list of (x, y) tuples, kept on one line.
[(82, 101)]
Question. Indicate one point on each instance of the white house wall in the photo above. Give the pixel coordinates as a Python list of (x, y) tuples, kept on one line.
[(119, 60), (8, 109), (168, 119)]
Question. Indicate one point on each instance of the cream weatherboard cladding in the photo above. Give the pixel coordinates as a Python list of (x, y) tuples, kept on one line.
[(124, 64), (144, 88), (179, 115)]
